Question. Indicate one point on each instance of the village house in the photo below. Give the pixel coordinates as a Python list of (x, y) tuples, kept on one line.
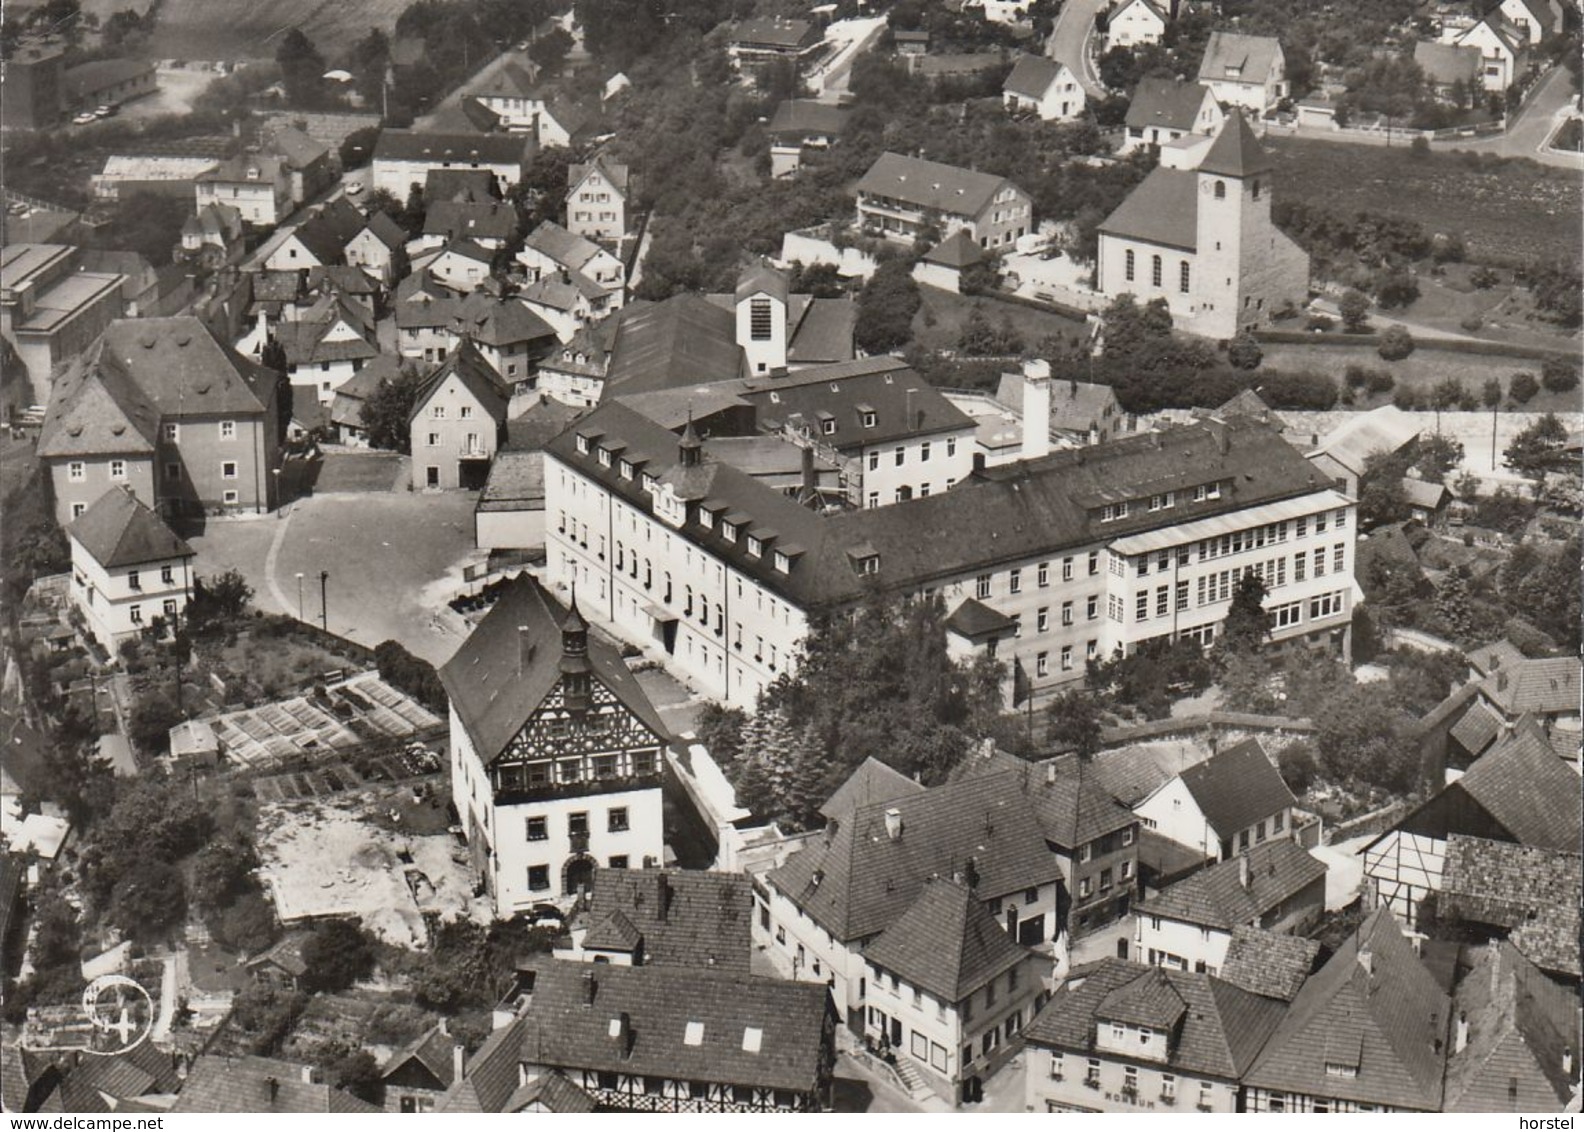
[(510, 514), (1534, 20), (1343, 453), (799, 124), (1041, 86), (223, 1084), (327, 345), (1201, 237), (1188, 925), (128, 568), (308, 162), (1367, 1033), (346, 407), (902, 198), (945, 264), (319, 241), (556, 753), (551, 251), (756, 42), (1166, 110), (686, 918), (457, 422), (565, 305), (1135, 23), (1524, 895), (404, 158), (1223, 806), (1117, 1037), (1079, 412), (510, 92), (378, 247), (821, 911), (506, 333), (159, 405), (212, 238), (257, 185), (425, 315), (461, 267), (107, 82), (50, 309), (599, 200), (1546, 689), (1270, 964), (656, 1038), (417, 1076), (1249, 71), (949, 990), (491, 224), (1518, 792), (1453, 72), (1503, 48), (1060, 547)]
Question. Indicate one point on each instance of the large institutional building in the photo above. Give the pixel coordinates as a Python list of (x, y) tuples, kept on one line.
[(1044, 563), (1198, 233)]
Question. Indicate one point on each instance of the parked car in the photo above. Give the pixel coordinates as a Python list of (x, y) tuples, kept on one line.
[(85, 118), (106, 111)]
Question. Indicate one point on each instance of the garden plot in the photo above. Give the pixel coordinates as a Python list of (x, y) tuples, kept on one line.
[(346, 715)]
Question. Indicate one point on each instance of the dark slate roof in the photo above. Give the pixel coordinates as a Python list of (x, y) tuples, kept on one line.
[(1223, 1026), (1216, 897), (1237, 788), (1487, 658), (770, 31), (1269, 963), (453, 220), (385, 230), (540, 423), (491, 1074), (617, 174), (566, 248), (434, 1050), (820, 330), (756, 1031), (957, 250), (1164, 209), (244, 1084), (801, 117), (684, 340), (1477, 728), (422, 145), (1385, 1011), (512, 79), (551, 1091), (460, 185), (947, 943), (299, 149), (1238, 58), (973, 620), (494, 693), (930, 184), (476, 375), (499, 322), (285, 954), (1236, 152), (1168, 104), (1131, 774), (96, 407), (857, 881), (1528, 790), (1520, 1026), (889, 390), (87, 80), (118, 530), (1032, 76), (872, 782), (1546, 685), (1532, 892), (683, 918), (1073, 806)]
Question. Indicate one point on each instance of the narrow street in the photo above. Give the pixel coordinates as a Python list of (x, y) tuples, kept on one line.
[(1069, 39)]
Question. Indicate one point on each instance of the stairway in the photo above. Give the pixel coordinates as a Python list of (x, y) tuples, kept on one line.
[(913, 1082)]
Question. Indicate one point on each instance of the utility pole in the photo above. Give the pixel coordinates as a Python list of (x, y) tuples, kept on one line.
[(324, 612), (300, 596)]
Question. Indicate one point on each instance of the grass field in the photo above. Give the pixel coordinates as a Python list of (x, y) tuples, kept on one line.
[(246, 29), (1506, 212), (940, 319)]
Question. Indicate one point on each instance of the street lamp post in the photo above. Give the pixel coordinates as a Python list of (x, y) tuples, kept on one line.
[(300, 596), (324, 610)]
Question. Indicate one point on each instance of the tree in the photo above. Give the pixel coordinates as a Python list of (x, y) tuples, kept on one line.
[(1437, 456), (358, 1073), (302, 70), (410, 674), (1559, 375), (388, 410), (886, 307), (357, 148), (221, 872), (1396, 343), (218, 603), (1452, 604), (1245, 352), (1537, 451), (1363, 736), (1247, 627), (1522, 387), (1074, 723), (154, 713), (1381, 498), (1354, 308), (337, 954), (148, 901), (455, 974), (550, 50)]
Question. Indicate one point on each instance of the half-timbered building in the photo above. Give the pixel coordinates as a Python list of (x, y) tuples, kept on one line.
[(556, 753)]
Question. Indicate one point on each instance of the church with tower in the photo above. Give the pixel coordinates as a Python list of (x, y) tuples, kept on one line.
[(1198, 233), (557, 755)]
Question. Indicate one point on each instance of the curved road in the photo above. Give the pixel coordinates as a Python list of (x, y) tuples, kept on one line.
[(1067, 43)]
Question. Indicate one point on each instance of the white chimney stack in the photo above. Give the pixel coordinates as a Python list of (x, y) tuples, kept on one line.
[(1462, 1034), (1036, 408), (893, 820), (1245, 874)]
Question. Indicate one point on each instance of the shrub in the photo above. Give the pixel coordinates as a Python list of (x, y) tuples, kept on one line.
[(1355, 377), (1523, 387), (1559, 375), (1300, 391), (1406, 397), (1379, 380), (1471, 323), (1395, 344), (1354, 308), (337, 954), (1319, 322), (1245, 352), (1484, 277)]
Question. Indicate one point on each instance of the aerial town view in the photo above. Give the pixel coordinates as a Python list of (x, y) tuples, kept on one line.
[(750, 556)]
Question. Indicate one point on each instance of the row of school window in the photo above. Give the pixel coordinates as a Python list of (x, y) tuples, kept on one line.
[(899, 453), (1042, 576)]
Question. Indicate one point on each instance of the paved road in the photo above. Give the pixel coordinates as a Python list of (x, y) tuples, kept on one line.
[(1533, 125), (1068, 40), (858, 36)]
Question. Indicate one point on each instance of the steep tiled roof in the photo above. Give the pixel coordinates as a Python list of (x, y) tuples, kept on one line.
[(96, 407), (1520, 1026), (1032, 76), (685, 339), (889, 393), (947, 943), (434, 1050), (551, 1091), (930, 184), (1545, 685), (181, 368), (859, 880), (1237, 788), (957, 250), (569, 250), (1163, 209), (118, 530), (1238, 58), (421, 145), (460, 185), (1072, 805), (801, 117), (1268, 963), (1532, 892), (1131, 774), (1476, 729), (1381, 1016), (1222, 1026), (1216, 897), (769, 31), (385, 230), (617, 174), (512, 79), (491, 1074), (747, 1030), (1487, 658), (299, 150), (484, 220), (258, 1084), (1527, 789), (820, 330), (683, 918), (499, 322), (872, 782), (494, 689), (476, 375), (1167, 104), (1236, 152)]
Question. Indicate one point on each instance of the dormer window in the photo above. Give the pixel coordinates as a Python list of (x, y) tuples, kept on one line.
[(729, 531), (783, 563), (649, 482), (582, 445), (868, 564), (755, 547), (626, 470), (827, 424), (706, 518), (1335, 1069), (604, 457)]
